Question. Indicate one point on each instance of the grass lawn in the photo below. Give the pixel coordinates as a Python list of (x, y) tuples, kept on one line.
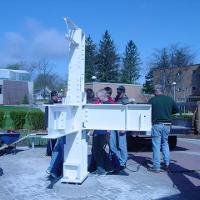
[(9, 109)]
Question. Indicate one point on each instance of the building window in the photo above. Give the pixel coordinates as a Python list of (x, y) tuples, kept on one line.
[(0, 89)]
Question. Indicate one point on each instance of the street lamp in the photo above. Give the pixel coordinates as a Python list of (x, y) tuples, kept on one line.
[(174, 88), (94, 78)]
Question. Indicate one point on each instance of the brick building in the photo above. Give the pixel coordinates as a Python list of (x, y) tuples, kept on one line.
[(183, 83), (15, 85)]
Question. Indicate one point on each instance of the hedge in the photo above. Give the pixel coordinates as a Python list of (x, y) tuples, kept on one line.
[(182, 116), (33, 120), (18, 119), (2, 118), (36, 120)]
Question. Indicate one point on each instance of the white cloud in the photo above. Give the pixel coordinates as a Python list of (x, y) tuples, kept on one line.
[(33, 26), (35, 43), (50, 44), (14, 45)]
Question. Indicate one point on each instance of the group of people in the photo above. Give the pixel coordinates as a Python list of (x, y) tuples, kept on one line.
[(116, 140), (162, 109)]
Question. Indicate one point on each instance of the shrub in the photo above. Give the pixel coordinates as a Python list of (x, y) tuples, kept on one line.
[(182, 116), (18, 118), (2, 118), (36, 120), (25, 100)]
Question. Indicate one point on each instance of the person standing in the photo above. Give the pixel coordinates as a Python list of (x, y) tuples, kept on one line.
[(121, 97), (56, 164), (51, 143), (109, 94), (55, 146), (118, 143), (90, 97), (100, 139), (162, 109)]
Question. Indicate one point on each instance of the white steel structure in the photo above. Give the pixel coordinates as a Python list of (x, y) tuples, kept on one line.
[(74, 115)]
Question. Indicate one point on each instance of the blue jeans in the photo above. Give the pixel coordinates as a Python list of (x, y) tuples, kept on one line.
[(56, 164), (160, 133), (118, 146)]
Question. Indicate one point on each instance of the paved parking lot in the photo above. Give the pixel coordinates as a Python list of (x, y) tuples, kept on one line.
[(22, 176)]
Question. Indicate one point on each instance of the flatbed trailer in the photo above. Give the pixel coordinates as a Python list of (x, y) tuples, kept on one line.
[(140, 140)]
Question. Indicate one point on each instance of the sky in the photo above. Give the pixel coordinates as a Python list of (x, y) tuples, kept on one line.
[(32, 30)]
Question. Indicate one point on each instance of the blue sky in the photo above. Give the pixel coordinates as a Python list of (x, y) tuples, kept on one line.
[(34, 29)]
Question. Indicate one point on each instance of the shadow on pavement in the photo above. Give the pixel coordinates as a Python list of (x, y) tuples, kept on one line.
[(177, 148), (180, 178), (10, 150), (174, 197), (147, 148), (1, 171)]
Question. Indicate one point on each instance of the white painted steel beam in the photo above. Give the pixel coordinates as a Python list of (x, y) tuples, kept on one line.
[(70, 118), (133, 117)]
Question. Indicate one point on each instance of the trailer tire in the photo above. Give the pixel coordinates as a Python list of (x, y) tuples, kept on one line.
[(172, 140), (135, 144)]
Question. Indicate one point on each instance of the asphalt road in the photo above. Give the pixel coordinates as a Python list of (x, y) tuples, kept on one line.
[(22, 176)]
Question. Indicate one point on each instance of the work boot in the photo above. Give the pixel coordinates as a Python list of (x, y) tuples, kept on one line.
[(154, 170), (165, 167)]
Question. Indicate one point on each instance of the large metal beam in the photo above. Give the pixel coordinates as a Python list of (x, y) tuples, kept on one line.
[(70, 118)]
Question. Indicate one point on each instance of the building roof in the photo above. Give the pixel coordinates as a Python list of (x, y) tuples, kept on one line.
[(16, 71), (187, 66), (106, 83)]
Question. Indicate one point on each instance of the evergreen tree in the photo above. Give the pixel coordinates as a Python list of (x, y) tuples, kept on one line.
[(108, 60), (25, 100), (131, 64), (148, 86), (90, 59)]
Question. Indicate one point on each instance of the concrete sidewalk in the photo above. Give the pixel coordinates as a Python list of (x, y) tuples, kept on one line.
[(24, 178)]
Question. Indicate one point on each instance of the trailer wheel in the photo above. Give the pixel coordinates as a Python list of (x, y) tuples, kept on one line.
[(172, 140), (135, 144)]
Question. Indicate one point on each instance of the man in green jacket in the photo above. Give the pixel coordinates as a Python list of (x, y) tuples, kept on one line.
[(162, 109)]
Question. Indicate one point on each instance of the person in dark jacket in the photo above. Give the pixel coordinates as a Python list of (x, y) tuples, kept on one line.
[(56, 164), (100, 139), (55, 147), (90, 96), (162, 109), (51, 143), (121, 97)]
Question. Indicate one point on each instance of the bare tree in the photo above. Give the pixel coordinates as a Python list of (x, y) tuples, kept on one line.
[(46, 78), (170, 62), (180, 56), (173, 56)]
